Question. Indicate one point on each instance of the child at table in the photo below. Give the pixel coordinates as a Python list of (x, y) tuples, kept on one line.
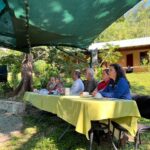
[(51, 84), (59, 88)]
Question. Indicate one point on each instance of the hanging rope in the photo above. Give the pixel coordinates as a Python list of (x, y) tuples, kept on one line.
[(27, 24)]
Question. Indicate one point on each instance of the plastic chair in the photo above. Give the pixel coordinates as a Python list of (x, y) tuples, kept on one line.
[(143, 103), (120, 129), (98, 126), (141, 129)]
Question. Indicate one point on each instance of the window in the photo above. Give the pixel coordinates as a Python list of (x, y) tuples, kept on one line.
[(144, 58)]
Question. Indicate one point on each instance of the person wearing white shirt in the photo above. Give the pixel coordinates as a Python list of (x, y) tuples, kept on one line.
[(78, 85)]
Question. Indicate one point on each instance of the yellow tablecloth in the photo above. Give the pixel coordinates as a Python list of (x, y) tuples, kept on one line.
[(43, 102), (81, 111)]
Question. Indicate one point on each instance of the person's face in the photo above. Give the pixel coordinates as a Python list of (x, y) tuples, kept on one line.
[(112, 73), (74, 76), (87, 75), (105, 76), (57, 81), (52, 80)]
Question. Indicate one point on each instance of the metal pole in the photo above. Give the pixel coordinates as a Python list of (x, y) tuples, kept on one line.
[(91, 65)]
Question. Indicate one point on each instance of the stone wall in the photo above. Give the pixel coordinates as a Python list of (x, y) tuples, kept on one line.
[(12, 106)]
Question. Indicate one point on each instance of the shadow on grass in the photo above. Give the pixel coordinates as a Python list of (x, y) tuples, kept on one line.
[(48, 129), (138, 89)]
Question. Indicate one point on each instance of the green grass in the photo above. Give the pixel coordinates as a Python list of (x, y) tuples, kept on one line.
[(42, 130), (140, 82)]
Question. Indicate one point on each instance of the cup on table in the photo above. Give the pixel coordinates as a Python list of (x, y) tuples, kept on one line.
[(85, 94), (67, 91), (35, 91)]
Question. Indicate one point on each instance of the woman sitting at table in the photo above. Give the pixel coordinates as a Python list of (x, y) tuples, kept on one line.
[(103, 84), (118, 86)]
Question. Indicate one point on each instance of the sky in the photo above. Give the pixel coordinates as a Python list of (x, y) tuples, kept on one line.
[(148, 2), (135, 7)]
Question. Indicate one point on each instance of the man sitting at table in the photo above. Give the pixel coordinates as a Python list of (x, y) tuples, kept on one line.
[(78, 85), (90, 83)]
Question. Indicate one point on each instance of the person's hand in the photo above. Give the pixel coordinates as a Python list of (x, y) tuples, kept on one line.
[(94, 92), (81, 94)]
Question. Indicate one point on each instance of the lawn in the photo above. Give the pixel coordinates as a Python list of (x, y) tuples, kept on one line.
[(41, 130), (140, 82)]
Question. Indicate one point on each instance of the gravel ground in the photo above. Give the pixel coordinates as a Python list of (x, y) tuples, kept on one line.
[(9, 123)]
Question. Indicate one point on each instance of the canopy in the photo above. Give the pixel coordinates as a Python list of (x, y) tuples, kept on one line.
[(73, 23)]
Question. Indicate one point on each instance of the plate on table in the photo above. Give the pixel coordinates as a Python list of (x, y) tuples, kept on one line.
[(98, 96), (86, 96)]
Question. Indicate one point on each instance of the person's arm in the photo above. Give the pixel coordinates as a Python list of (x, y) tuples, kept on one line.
[(118, 91), (94, 92), (96, 89), (107, 92), (122, 88), (60, 89), (85, 82), (75, 88), (96, 84), (102, 85), (48, 85)]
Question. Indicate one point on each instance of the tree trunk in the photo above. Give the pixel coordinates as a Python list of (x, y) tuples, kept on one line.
[(26, 75)]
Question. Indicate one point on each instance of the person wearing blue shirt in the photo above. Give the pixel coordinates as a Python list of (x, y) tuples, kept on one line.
[(118, 86), (78, 85)]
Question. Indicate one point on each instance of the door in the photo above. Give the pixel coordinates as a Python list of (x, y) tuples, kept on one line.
[(129, 60)]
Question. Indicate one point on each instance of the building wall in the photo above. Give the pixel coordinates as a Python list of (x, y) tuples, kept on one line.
[(136, 59)]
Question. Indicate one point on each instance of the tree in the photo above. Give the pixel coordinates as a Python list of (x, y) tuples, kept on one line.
[(13, 61), (26, 76), (109, 54), (134, 24), (56, 61)]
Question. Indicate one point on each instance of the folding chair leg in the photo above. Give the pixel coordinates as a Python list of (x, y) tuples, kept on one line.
[(111, 136), (113, 133), (111, 140), (91, 139), (65, 131), (119, 141), (137, 140)]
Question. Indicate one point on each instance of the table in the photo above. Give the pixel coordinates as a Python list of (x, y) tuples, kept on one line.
[(80, 111), (44, 102)]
